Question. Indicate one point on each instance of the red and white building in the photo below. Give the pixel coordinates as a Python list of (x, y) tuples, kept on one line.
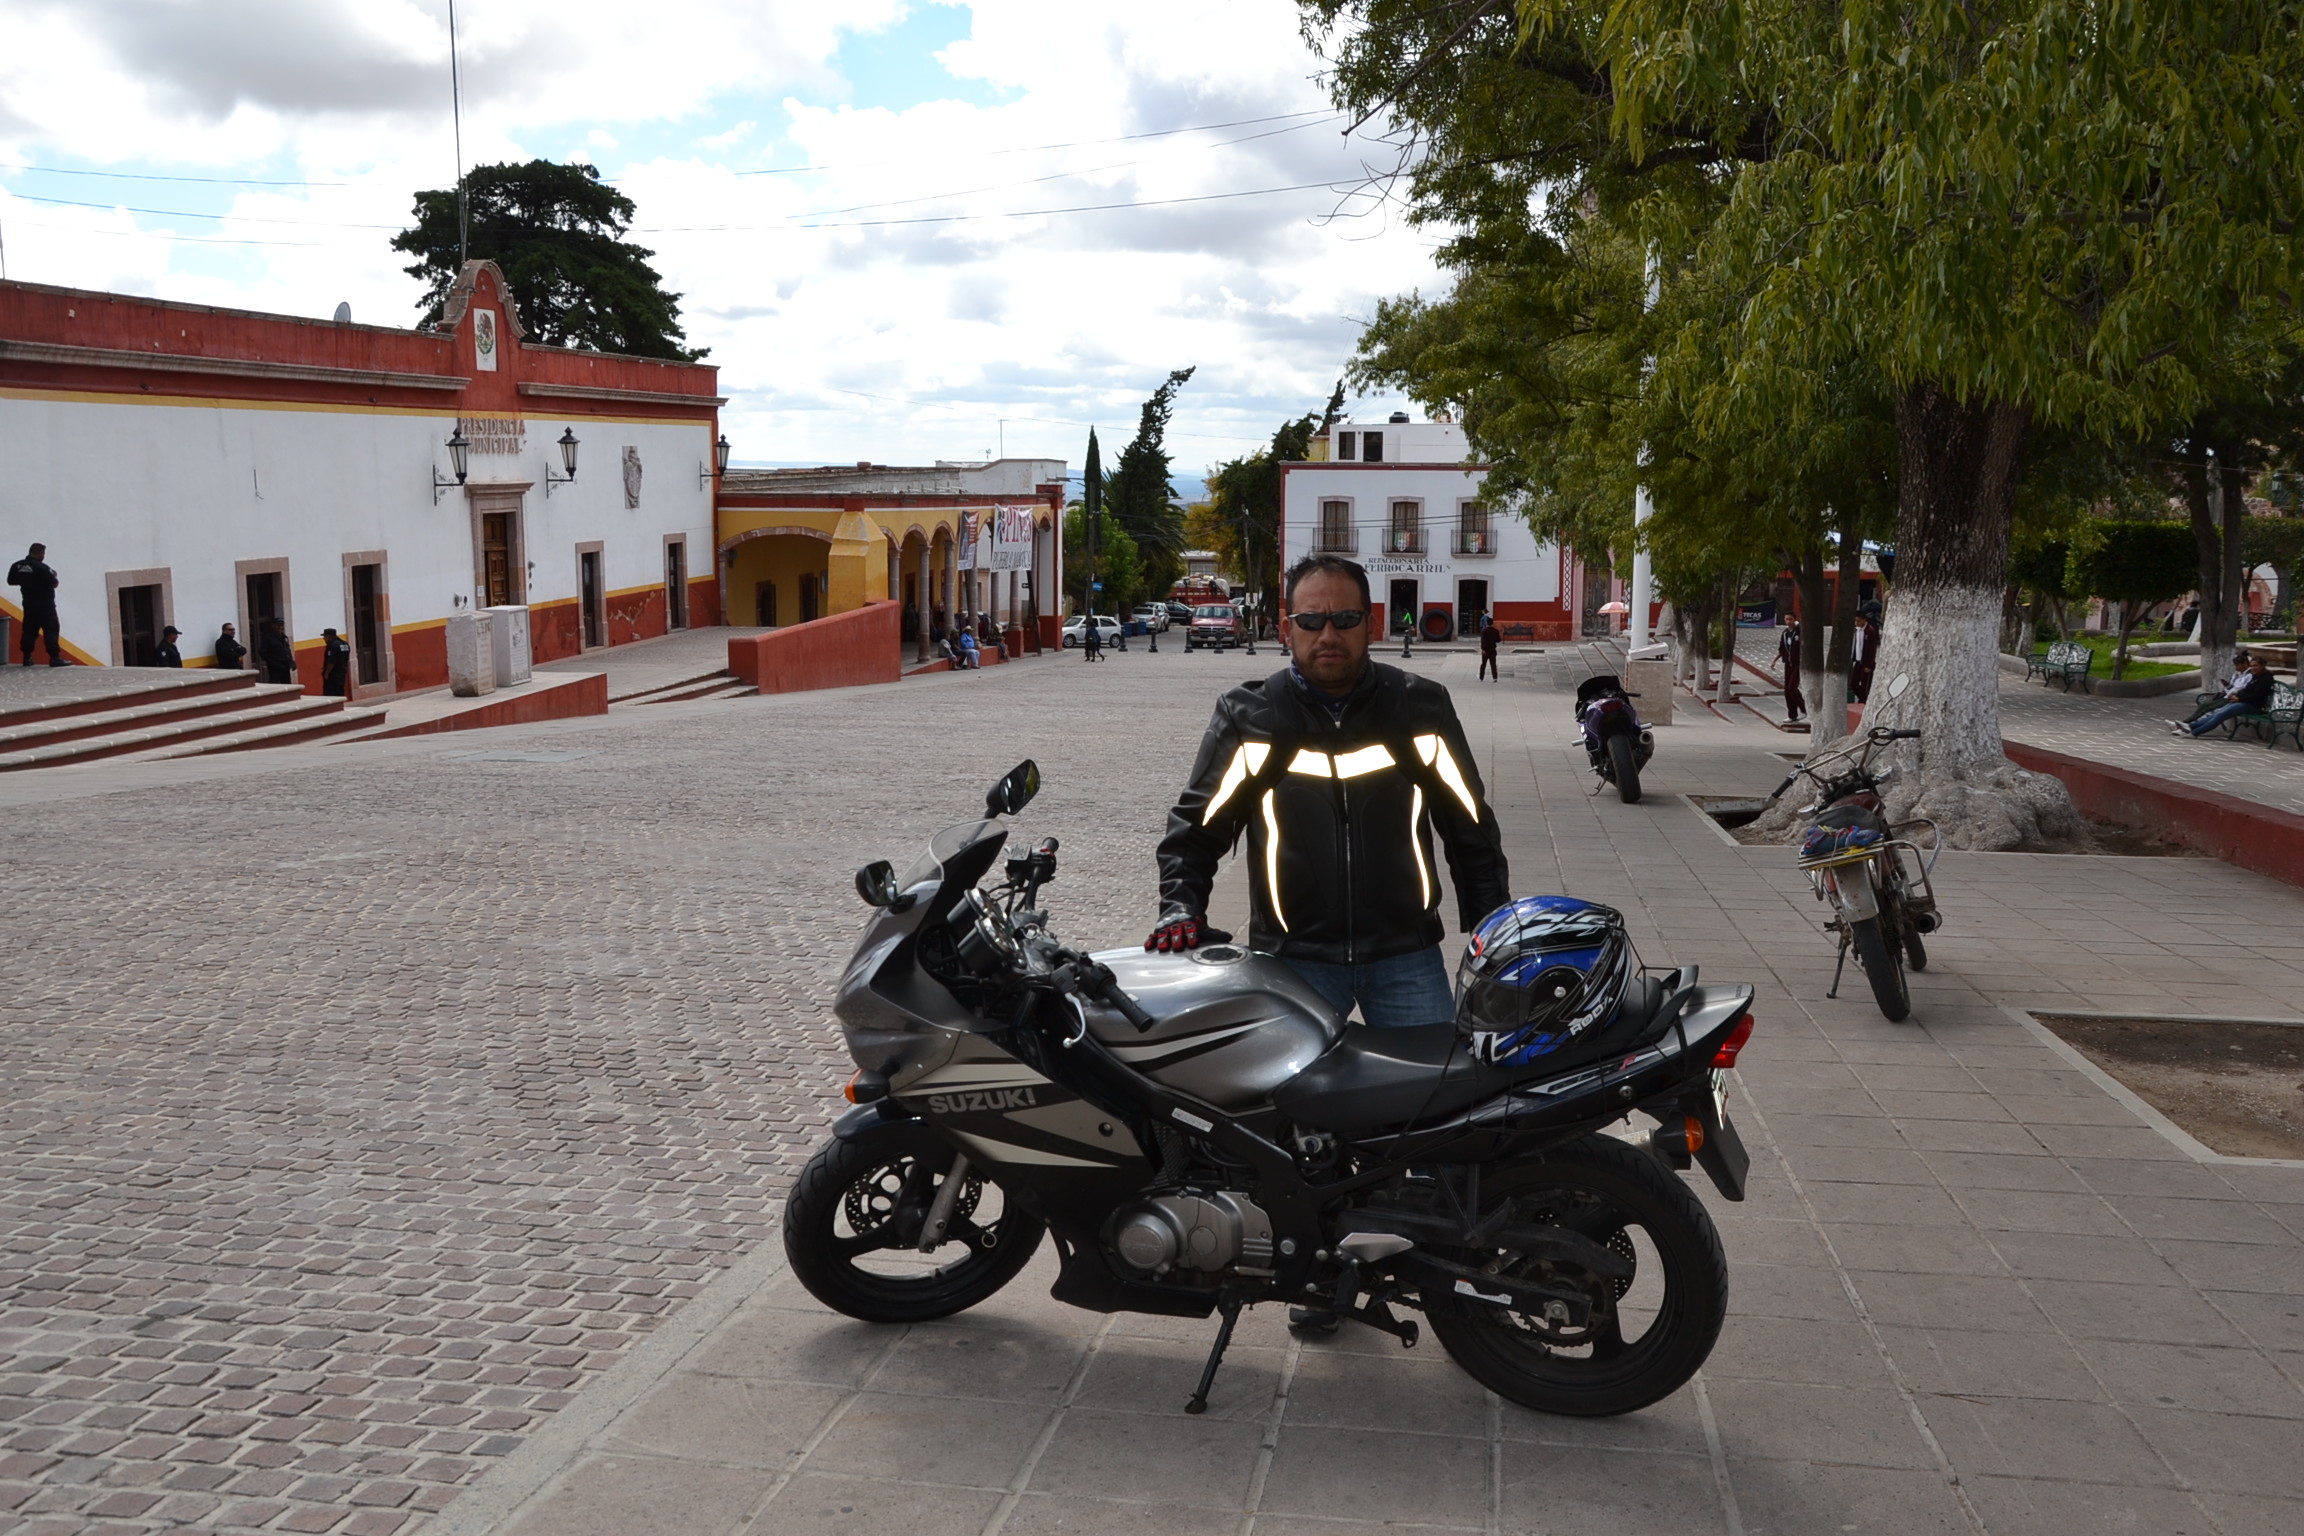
[(1398, 497), (195, 466)]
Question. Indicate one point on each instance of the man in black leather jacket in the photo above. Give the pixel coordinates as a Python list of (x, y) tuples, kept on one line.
[(1339, 770)]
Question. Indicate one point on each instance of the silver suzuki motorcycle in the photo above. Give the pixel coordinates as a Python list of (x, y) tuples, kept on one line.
[(1199, 1132)]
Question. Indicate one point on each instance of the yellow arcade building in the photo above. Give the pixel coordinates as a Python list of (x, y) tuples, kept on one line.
[(946, 539)]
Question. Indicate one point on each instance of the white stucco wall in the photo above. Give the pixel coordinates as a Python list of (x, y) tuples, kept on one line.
[(195, 486), (1521, 571)]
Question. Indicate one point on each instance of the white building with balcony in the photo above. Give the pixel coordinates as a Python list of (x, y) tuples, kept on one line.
[(1399, 497)]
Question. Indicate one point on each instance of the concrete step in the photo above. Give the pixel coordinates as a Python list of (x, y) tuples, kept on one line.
[(718, 686), (678, 688), (311, 725), (265, 706), (94, 715)]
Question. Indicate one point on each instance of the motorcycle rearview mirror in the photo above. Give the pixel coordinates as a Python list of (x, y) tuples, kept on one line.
[(1902, 682), (1014, 791), (876, 883)]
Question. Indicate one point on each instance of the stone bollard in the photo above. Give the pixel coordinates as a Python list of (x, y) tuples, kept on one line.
[(471, 654), (1652, 681)]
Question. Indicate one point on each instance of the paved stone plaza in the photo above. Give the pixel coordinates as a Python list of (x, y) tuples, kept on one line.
[(396, 1130)]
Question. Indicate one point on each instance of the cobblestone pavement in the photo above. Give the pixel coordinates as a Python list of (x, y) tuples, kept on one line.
[(1971, 1291), (374, 1108), (364, 1103)]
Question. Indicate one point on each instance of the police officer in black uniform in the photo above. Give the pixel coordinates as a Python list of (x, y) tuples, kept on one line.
[(37, 580)]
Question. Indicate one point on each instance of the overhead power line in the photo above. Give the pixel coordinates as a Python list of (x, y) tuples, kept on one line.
[(222, 181), (1028, 149)]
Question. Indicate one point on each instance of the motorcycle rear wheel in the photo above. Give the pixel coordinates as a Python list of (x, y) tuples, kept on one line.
[(1915, 952), (857, 1208), (1883, 967), (1624, 769), (1605, 1190)]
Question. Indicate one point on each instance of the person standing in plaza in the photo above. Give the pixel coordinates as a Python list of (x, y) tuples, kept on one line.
[(335, 665), (1788, 657), (276, 656), (1867, 653), (1340, 771), (229, 651), (37, 580), (165, 653), (1491, 638)]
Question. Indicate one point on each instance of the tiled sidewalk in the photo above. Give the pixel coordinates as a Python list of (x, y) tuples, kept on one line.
[(1970, 1291)]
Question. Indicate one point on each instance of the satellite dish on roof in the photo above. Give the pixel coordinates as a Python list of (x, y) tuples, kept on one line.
[(344, 313)]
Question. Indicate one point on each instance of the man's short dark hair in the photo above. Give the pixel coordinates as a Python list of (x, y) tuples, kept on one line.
[(1334, 565)]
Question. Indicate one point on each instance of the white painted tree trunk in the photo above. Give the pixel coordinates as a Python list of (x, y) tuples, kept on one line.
[(1828, 708), (1939, 674)]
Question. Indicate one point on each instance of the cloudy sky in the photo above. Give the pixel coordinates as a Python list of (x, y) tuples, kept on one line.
[(888, 219)]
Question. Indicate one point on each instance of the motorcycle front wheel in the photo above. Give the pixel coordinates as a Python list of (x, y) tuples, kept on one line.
[(1883, 967), (1624, 769), (1645, 1336), (852, 1228)]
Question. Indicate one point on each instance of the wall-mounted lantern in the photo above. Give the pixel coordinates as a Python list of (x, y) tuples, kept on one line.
[(459, 458), (705, 477), (567, 459)]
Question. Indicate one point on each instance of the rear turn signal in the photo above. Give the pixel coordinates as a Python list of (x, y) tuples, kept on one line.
[(1693, 1129), (1726, 1055)]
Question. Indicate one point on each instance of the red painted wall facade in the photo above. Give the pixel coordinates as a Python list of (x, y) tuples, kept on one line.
[(843, 651)]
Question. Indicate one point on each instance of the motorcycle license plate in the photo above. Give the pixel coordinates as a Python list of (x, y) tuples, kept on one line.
[(1723, 1156)]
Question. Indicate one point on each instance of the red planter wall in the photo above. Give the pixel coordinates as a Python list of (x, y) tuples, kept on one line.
[(2257, 837), (843, 651)]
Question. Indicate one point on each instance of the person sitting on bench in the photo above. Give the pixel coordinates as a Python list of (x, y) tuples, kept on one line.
[(2248, 695)]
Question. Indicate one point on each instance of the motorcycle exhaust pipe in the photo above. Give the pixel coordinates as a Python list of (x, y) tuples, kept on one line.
[(1924, 922)]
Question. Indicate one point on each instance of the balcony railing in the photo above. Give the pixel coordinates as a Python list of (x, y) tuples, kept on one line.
[(1403, 541), (1475, 542), (1337, 539)]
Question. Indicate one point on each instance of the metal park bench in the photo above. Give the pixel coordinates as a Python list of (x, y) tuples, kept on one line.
[(2284, 716), (2066, 660)]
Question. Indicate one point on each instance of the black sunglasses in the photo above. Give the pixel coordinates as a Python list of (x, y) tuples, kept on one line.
[(1342, 618)]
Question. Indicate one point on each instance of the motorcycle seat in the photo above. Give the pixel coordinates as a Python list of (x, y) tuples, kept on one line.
[(1381, 1079)]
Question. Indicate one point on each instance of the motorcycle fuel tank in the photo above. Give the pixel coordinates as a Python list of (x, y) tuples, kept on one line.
[(1230, 1025)]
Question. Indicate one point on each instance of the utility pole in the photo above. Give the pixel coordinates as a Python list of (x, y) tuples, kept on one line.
[(456, 110), (1642, 507)]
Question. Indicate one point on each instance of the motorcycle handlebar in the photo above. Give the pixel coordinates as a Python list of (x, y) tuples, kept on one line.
[(1903, 735)]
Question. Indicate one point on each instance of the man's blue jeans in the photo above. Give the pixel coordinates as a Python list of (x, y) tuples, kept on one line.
[(2216, 717), (1404, 990)]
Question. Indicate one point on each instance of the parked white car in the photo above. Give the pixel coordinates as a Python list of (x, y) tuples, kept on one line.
[(1107, 629), (1153, 616)]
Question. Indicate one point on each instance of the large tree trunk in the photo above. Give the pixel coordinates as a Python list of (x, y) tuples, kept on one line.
[(2213, 489), (1811, 583), (1828, 707), (1939, 666), (1730, 586)]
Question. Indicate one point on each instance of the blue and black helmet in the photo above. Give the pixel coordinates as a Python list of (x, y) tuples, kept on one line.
[(1539, 972)]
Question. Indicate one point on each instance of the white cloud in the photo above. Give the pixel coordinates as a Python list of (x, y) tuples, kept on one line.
[(802, 285)]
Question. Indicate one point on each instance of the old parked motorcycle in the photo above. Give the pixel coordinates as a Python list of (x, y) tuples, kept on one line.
[(1616, 744), (1200, 1133), (1874, 878)]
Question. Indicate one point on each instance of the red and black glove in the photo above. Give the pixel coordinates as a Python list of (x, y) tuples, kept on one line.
[(1181, 933)]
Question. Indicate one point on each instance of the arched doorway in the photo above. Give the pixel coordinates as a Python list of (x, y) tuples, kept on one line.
[(776, 575)]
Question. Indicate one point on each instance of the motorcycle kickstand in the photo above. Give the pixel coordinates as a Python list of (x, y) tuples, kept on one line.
[(1839, 966), (1230, 1307)]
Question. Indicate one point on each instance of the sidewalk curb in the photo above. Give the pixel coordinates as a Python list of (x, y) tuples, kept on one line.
[(505, 1488), (2175, 1135)]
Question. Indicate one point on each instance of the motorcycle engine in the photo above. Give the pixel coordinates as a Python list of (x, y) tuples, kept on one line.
[(1209, 1232)]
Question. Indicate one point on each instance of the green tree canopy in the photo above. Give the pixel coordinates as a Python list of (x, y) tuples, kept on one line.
[(1139, 496), (2138, 565), (557, 231), (1242, 521), (1119, 565), (2006, 213)]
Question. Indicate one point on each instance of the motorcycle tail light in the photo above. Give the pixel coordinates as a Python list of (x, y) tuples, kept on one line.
[(1725, 1056)]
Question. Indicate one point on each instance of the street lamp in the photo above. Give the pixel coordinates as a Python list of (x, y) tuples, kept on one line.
[(568, 447), (459, 459), (719, 467)]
